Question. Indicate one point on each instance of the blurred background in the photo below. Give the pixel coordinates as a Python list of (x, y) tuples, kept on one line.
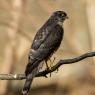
[(19, 22)]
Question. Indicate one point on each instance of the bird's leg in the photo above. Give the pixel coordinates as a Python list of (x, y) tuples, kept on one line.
[(52, 63), (47, 65)]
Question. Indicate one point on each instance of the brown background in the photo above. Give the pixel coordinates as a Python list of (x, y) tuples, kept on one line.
[(19, 22)]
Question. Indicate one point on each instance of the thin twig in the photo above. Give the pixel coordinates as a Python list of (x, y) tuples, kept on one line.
[(45, 72)]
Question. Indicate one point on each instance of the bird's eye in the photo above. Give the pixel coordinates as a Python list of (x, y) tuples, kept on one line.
[(62, 15)]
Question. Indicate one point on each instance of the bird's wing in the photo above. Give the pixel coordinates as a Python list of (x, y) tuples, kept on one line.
[(40, 37), (33, 57), (51, 43)]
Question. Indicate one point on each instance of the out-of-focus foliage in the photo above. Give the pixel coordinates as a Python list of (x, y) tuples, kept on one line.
[(19, 22)]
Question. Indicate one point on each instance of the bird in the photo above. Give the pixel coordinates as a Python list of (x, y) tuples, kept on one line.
[(46, 41)]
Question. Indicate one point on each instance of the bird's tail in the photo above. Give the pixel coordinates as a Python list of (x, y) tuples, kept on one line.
[(27, 86), (28, 82)]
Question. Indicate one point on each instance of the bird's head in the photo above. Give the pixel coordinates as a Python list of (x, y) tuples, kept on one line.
[(60, 16)]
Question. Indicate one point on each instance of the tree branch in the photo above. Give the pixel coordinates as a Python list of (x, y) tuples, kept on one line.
[(45, 72)]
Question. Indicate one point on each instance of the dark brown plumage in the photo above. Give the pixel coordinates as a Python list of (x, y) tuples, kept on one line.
[(45, 43)]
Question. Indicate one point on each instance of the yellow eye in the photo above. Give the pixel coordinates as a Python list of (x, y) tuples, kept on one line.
[(62, 14)]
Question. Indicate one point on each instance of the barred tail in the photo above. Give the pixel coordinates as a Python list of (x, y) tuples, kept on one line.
[(28, 82)]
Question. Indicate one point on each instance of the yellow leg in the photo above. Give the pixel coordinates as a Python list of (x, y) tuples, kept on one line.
[(51, 62), (47, 65)]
